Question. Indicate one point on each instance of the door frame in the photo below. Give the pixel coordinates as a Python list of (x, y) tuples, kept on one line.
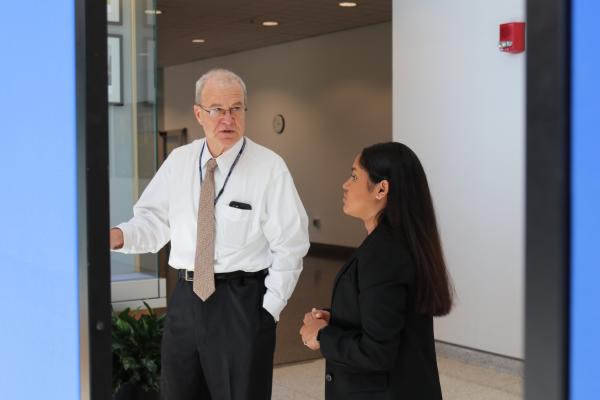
[(547, 275), (93, 200)]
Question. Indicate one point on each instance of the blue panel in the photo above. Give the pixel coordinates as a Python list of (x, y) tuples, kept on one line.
[(585, 278), (39, 332)]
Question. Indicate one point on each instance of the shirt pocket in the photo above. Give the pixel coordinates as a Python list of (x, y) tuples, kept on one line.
[(232, 226)]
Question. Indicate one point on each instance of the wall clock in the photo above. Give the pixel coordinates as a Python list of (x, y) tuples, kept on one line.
[(278, 123)]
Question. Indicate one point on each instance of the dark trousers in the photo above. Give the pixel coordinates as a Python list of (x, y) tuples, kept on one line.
[(221, 349)]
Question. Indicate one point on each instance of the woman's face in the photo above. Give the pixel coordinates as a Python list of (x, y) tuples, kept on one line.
[(360, 200)]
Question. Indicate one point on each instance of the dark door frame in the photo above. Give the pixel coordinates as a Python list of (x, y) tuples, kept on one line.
[(548, 199), (93, 200), (547, 207)]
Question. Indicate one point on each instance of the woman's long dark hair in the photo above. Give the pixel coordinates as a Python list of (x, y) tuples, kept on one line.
[(409, 210)]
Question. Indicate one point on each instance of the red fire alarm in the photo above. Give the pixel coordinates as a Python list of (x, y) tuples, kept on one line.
[(512, 37)]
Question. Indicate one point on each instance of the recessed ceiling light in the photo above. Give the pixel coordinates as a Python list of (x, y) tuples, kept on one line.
[(153, 12), (270, 23), (198, 40), (347, 4)]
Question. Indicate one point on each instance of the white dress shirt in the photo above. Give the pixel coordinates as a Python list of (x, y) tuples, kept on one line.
[(273, 234)]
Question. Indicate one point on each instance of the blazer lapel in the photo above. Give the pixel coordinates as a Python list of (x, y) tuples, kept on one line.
[(340, 273), (348, 264)]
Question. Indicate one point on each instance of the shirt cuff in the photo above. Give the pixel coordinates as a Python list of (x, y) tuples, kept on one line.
[(273, 305)]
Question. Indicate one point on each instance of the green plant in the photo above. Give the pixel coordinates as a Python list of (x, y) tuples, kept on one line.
[(136, 349)]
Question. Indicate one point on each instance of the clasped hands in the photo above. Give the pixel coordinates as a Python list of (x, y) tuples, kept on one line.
[(314, 321)]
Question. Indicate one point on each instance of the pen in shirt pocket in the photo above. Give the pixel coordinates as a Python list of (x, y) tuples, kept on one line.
[(241, 206)]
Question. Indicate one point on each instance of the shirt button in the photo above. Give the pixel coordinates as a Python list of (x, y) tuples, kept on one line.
[(328, 377)]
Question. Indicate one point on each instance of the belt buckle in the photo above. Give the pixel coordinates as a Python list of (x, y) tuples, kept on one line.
[(187, 276)]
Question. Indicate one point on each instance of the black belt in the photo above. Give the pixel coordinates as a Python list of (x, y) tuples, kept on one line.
[(187, 275)]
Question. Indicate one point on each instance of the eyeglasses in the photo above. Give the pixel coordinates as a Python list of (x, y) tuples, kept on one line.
[(221, 112)]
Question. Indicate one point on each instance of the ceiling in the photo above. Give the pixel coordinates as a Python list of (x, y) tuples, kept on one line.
[(230, 26)]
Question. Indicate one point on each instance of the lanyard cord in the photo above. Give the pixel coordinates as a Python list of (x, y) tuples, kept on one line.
[(230, 169)]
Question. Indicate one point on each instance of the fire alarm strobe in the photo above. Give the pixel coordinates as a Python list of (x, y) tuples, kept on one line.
[(512, 37)]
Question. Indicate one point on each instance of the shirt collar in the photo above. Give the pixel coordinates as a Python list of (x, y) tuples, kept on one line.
[(225, 160)]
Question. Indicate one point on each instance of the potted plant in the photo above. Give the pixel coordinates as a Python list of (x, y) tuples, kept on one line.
[(136, 354)]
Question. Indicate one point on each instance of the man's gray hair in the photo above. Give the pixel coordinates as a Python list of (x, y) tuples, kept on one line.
[(222, 75)]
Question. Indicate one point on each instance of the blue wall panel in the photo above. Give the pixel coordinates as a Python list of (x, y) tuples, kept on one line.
[(585, 278), (39, 334)]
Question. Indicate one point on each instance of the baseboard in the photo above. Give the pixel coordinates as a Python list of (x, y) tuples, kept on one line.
[(324, 250), (466, 355)]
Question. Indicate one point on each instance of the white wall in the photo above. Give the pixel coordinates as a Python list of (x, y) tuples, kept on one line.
[(335, 92), (460, 104)]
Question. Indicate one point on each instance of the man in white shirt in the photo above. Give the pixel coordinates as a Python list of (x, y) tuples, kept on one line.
[(239, 258)]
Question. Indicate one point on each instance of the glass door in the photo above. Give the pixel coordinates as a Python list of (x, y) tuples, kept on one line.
[(132, 141)]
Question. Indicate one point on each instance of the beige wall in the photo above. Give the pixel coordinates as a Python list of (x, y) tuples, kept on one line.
[(335, 92)]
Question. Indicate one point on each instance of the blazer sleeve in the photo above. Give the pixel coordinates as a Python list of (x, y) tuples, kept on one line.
[(383, 297)]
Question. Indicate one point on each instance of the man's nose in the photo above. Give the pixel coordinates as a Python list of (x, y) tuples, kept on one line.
[(227, 118)]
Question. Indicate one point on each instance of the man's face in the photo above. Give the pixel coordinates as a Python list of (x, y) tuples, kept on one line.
[(222, 131)]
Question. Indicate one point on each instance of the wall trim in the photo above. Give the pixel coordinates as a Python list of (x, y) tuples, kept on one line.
[(334, 251), (467, 355)]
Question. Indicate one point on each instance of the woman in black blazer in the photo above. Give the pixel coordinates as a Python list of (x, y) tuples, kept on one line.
[(377, 338)]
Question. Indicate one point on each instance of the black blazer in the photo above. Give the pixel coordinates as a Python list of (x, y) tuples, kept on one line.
[(376, 345)]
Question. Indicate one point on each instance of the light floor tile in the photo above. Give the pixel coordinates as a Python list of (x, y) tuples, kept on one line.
[(306, 378), (459, 380)]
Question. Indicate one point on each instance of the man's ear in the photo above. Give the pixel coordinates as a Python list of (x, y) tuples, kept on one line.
[(198, 114)]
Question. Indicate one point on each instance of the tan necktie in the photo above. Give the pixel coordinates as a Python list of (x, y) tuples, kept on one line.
[(204, 272)]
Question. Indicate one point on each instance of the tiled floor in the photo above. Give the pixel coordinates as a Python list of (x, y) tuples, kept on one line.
[(460, 381)]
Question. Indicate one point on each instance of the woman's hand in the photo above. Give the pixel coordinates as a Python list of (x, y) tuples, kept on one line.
[(321, 314), (311, 328)]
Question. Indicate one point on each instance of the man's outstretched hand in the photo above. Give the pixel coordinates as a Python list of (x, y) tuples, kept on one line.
[(116, 239)]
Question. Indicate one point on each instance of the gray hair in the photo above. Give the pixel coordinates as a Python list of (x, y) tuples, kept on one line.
[(223, 75)]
